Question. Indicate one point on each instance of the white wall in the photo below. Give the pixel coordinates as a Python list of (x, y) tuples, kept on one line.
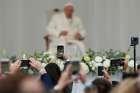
[(109, 23)]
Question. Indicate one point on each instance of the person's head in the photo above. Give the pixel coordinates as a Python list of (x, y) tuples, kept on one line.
[(91, 89), (69, 10), (130, 85), (115, 83), (53, 71), (21, 83), (103, 85)]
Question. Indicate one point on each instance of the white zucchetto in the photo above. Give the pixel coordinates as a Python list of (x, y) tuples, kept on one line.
[(68, 4)]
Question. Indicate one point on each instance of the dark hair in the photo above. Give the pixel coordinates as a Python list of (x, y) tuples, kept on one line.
[(138, 67), (115, 83), (103, 86), (54, 72)]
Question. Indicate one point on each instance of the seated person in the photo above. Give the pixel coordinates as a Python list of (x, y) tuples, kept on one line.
[(67, 29)]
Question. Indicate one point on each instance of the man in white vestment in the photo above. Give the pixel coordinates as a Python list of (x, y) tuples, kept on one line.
[(67, 29)]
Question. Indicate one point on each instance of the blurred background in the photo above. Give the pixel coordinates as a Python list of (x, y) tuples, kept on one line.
[(109, 23)]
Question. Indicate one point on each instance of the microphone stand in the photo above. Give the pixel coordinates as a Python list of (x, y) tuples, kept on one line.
[(134, 47)]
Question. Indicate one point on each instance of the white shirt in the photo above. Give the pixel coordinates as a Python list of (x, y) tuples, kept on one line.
[(59, 23)]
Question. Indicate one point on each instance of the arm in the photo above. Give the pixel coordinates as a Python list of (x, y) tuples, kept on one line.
[(52, 27), (38, 66), (81, 29), (65, 79), (107, 75)]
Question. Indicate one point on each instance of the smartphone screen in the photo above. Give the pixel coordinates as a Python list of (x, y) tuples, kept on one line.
[(25, 64), (117, 62), (5, 67), (60, 51), (100, 70), (75, 67)]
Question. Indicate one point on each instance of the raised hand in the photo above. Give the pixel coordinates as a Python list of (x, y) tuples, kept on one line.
[(15, 67), (35, 64)]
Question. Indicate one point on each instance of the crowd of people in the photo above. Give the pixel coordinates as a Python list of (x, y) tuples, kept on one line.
[(52, 80), (68, 29)]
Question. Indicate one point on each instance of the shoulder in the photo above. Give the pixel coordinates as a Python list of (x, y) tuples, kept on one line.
[(57, 15)]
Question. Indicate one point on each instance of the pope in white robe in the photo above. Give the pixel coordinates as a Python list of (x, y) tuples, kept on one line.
[(67, 29)]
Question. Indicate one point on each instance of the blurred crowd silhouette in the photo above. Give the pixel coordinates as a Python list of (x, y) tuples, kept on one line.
[(52, 80)]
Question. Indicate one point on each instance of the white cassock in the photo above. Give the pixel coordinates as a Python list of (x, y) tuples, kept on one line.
[(59, 23)]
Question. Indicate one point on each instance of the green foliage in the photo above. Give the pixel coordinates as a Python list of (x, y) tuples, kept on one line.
[(110, 54)]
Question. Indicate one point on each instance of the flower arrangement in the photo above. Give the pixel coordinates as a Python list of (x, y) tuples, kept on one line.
[(48, 57), (93, 59), (44, 57), (3, 54)]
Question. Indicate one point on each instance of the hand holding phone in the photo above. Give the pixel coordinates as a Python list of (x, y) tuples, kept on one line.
[(117, 62), (15, 67), (25, 64), (60, 51), (100, 71), (75, 66)]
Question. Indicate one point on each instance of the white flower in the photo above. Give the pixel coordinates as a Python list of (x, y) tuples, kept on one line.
[(93, 68), (90, 64), (98, 59), (97, 64), (127, 56), (131, 63), (45, 53), (104, 57), (94, 64), (118, 52), (85, 68), (106, 63), (24, 56), (43, 65), (87, 58), (52, 57), (120, 68), (61, 66), (60, 63), (92, 61), (39, 59)]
